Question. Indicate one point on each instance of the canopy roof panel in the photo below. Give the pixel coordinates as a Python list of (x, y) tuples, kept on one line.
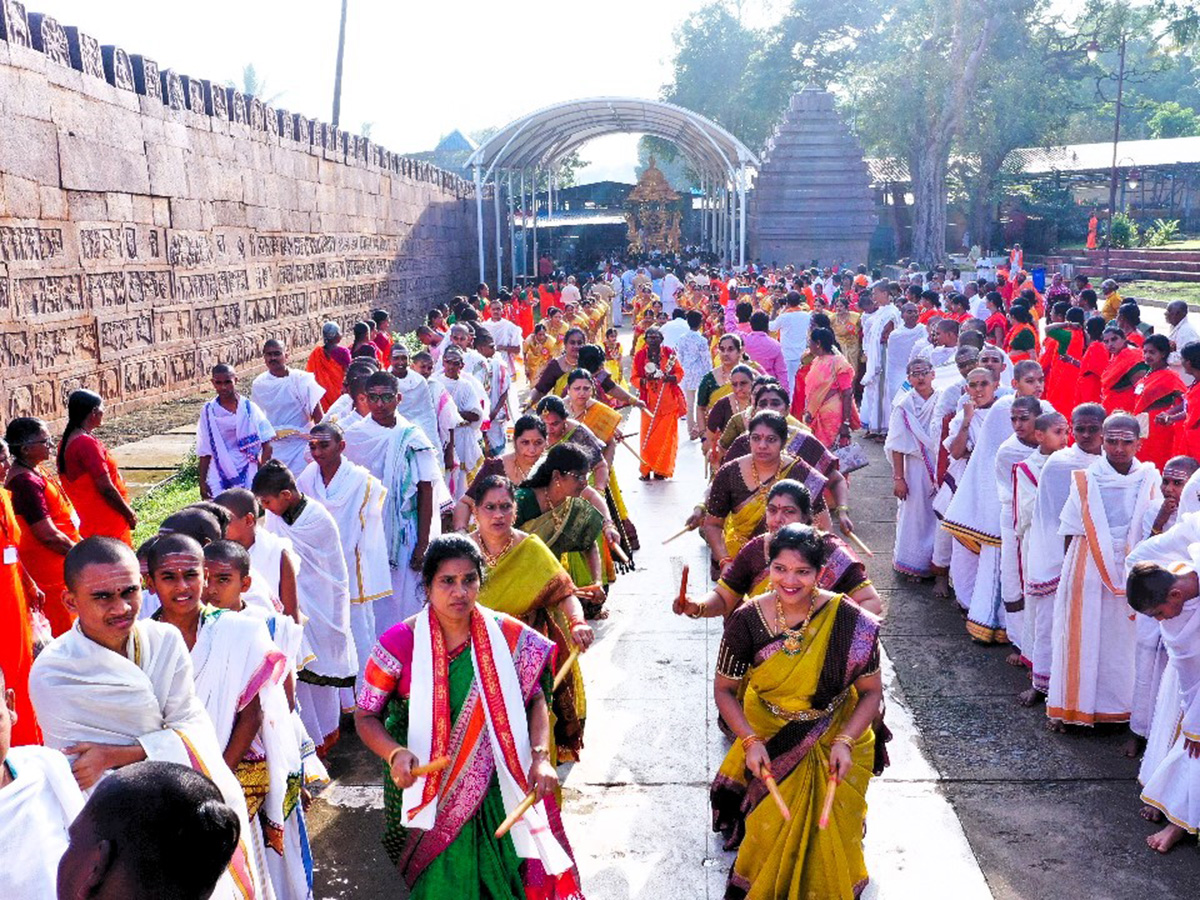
[(546, 136)]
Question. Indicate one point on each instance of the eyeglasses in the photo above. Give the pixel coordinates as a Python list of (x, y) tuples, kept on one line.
[(380, 398)]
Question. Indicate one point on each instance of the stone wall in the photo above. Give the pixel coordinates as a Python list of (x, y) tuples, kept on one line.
[(153, 224)]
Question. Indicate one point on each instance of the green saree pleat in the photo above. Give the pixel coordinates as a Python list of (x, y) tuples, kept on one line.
[(475, 866)]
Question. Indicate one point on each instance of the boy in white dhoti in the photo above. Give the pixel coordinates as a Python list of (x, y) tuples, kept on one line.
[(238, 672), (273, 562), (38, 800), (912, 442), (506, 334), (1150, 657), (877, 326), (416, 398), (1016, 448), (355, 498), (1050, 432), (496, 387), (949, 470), (283, 738), (1171, 597), (448, 418), (291, 400), (115, 690), (233, 437), (1046, 547), (323, 592), (397, 452), (1091, 672), (469, 397), (900, 344)]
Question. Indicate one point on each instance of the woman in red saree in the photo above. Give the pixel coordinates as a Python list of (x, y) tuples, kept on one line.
[(1187, 413), (1062, 354), (48, 522), (471, 685), (996, 326), (1159, 391), (829, 408), (1124, 369), (655, 376), (1091, 364), (90, 474), (17, 594)]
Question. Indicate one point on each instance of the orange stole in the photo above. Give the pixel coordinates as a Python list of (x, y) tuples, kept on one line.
[(45, 566), (96, 515), (329, 375), (16, 634)]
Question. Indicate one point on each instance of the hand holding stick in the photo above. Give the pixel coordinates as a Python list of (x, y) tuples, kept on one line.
[(561, 675), (773, 788), (827, 809), (513, 817), (857, 542), (429, 768)]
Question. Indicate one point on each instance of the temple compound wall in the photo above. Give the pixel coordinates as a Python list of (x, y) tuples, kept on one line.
[(153, 224)]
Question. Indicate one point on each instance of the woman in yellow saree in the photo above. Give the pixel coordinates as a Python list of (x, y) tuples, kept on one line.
[(829, 408), (811, 663), (529, 443), (715, 383), (735, 510), (523, 579)]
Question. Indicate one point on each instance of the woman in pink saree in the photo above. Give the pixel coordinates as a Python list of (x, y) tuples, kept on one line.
[(829, 406)]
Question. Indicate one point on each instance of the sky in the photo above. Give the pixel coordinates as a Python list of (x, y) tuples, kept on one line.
[(415, 71)]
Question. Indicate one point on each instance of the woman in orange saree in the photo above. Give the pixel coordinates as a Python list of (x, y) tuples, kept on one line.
[(655, 376), (1091, 364), (48, 522), (1155, 394), (1187, 411), (90, 474), (810, 660), (1022, 342), (16, 633), (1124, 369), (829, 392)]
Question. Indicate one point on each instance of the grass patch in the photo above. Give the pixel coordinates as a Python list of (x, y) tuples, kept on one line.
[(163, 499), (1164, 291)]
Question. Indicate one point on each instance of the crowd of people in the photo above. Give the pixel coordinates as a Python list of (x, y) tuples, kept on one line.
[(419, 529)]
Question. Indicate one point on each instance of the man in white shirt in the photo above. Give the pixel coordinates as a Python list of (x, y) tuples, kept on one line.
[(570, 292), (792, 325), (291, 400), (674, 329), (1181, 334), (670, 285)]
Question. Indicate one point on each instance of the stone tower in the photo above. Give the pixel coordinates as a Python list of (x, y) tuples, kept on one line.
[(812, 198)]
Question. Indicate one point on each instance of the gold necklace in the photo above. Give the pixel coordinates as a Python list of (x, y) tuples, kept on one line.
[(793, 638), (758, 481), (492, 558)]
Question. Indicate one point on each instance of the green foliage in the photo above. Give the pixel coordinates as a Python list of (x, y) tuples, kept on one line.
[(165, 498), (1161, 233), (1123, 232), (1170, 120), (410, 340)]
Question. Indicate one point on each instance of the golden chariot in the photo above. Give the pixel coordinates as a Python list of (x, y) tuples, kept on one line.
[(652, 214)]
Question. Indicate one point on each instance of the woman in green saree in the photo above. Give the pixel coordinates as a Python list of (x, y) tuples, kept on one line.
[(811, 663), (468, 684), (557, 505), (523, 579)]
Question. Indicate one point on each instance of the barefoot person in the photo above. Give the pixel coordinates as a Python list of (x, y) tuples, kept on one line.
[(1023, 413), (455, 662), (1171, 597), (115, 690), (804, 651), (1091, 672), (912, 445), (655, 376)]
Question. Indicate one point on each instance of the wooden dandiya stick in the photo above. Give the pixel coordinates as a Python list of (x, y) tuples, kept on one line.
[(561, 675), (857, 542), (683, 579), (827, 809), (429, 768), (615, 550), (624, 443), (679, 534), (513, 817), (769, 781)]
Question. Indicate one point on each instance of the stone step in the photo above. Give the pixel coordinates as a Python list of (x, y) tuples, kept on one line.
[(1127, 273)]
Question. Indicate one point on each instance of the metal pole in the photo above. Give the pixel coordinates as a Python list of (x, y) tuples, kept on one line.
[(1112, 178), (524, 229), (742, 213), (479, 216), (533, 197), (703, 177), (512, 233), (712, 216), (337, 76), (499, 244)]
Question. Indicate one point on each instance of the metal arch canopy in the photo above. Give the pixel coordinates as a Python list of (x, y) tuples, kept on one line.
[(544, 136)]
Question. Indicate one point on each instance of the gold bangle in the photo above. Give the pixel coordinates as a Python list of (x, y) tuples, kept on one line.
[(392, 757), (750, 740), (846, 739), (699, 613)]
